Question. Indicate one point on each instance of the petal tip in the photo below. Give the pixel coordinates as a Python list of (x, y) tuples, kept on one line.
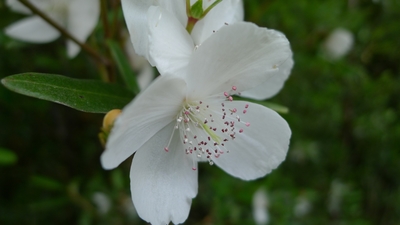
[(106, 161)]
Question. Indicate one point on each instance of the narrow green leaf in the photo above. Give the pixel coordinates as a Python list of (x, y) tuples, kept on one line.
[(117, 179), (7, 157), (84, 95), (123, 66), (48, 204), (276, 107), (46, 183)]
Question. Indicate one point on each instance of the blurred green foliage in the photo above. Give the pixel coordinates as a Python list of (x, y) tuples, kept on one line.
[(343, 115)]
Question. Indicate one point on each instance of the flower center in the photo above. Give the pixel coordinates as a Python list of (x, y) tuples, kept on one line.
[(206, 126)]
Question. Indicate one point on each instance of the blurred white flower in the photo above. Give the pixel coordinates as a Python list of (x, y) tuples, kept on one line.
[(158, 32), (79, 17), (302, 207), (145, 72), (181, 120), (102, 202), (260, 207), (336, 193), (338, 43)]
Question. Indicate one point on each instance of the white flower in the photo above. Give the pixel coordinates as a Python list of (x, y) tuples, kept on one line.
[(260, 207), (302, 207), (79, 17), (102, 202), (338, 43), (158, 32), (179, 121), (336, 193)]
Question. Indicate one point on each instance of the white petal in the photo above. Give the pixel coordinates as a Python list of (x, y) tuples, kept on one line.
[(17, 6), (273, 85), (226, 12), (152, 110), (135, 13), (260, 148), (72, 49), (83, 16), (163, 183), (46, 6), (32, 29), (170, 44), (241, 55), (145, 76), (177, 8)]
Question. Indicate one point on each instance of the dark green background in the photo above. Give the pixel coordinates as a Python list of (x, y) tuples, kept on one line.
[(344, 116)]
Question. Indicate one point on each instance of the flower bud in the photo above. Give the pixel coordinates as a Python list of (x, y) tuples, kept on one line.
[(108, 123)]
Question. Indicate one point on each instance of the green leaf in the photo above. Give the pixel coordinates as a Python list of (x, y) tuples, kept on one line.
[(46, 183), (48, 204), (7, 157), (276, 107), (117, 179), (123, 66), (84, 95), (196, 10)]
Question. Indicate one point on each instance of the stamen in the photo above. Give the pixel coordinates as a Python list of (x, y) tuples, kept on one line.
[(202, 131)]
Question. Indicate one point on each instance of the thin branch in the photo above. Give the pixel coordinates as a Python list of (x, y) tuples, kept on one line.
[(116, 6), (104, 18), (64, 32)]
